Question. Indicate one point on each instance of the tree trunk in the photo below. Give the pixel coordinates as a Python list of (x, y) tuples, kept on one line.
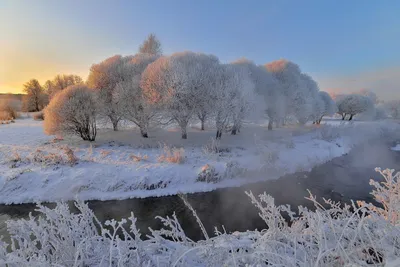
[(343, 116), (143, 132), (184, 133), (202, 125), (115, 125), (270, 125), (351, 117), (219, 134), (234, 130)]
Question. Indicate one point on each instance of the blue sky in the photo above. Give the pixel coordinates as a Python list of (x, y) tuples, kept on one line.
[(328, 39)]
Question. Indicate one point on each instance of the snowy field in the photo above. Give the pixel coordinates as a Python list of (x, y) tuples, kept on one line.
[(119, 165)]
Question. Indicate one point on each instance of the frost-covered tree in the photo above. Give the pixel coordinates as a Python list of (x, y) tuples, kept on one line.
[(104, 77), (233, 92), (129, 94), (207, 67), (151, 46), (365, 92), (60, 82), (353, 104), (324, 106), (305, 99), (266, 86), (35, 98), (381, 112), (176, 85), (299, 90), (393, 108), (72, 111)]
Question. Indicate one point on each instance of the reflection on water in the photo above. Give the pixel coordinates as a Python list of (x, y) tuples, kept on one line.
[(341, 179)]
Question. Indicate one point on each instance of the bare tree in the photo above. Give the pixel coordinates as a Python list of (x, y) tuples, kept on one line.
[(151, 46), (72, 111), (35, 98)]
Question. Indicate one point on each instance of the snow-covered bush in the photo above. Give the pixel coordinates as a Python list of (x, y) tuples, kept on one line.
[(333, 234), (329, 133), (72, 111), (9, 109), (39, 116), (103, 77), (353, 104), (172, 155), (208, 174), (129, 94)]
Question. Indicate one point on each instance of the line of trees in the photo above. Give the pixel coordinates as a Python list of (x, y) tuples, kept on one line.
[(150, 88), (37, 96)]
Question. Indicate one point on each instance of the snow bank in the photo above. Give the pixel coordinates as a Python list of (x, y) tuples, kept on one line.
[(122, 165), (396, 147)]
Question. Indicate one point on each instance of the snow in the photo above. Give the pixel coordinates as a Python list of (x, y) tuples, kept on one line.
[(106, 170), (396, 147)]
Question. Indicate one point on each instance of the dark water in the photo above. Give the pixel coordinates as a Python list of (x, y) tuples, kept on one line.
[(341, 179)]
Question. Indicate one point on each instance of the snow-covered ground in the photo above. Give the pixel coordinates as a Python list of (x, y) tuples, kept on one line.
[(119, 165), (396, 147)]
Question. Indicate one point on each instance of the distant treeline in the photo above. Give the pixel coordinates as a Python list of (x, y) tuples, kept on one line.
[(12, 96)]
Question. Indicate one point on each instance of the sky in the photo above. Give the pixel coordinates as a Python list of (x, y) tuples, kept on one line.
[(344, 45)]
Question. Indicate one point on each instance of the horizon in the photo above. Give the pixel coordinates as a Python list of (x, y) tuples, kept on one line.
[(344, 46)]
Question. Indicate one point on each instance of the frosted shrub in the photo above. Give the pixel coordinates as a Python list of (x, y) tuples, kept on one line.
[(137, 158), (332, 235), (47, 158), (208, 174), (388, 194), (71, 159), (9, 109), (72, 111), (66, 157), (233, 169), (213, 147), (172, 155), (328, 133)]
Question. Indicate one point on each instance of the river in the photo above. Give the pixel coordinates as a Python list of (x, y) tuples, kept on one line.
[(341, 179)]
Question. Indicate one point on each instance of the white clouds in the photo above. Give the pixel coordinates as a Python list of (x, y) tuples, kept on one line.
[(385, 83)]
